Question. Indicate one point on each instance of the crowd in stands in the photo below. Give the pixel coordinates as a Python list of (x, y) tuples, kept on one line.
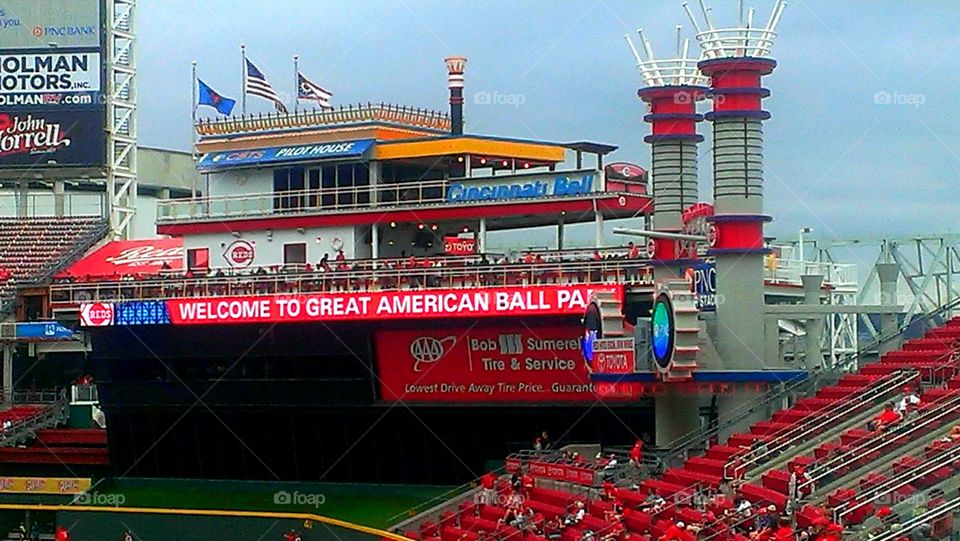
[(340, 274)]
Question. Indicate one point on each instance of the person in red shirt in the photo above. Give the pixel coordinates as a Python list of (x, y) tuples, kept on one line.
[(488, 482), (634, 252), (677, 532), (61, 534), (636, 454), (885, 419)]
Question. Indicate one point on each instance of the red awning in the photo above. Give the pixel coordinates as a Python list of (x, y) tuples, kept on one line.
[(122, 257)]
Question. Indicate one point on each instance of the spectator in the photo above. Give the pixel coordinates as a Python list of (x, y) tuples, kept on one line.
[(743, 507), (677, 532), (888, 417), (515, 482), (784, 532), (488, 482), (545, 440), (324, 263), (636, 454), (528, 482), (634, 251), (538, 444), (908, 403), (61, 534), (577, 515), (292, 535), (955, 433), (652, 503)]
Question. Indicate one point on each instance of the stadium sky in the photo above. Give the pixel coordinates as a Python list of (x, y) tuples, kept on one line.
[(559, 70)]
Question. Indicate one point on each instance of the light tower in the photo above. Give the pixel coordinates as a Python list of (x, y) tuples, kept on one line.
[(735, 59), (455, 68), (673, 86)]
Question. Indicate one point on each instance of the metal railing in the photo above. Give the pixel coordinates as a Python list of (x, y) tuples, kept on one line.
[(344, 114), (948, 508), (823, 418), (369, 198), (624, 271), (891, 485), (946, 406), (837, 275)]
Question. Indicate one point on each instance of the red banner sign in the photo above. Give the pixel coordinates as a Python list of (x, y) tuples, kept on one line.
[(582, 475), (513, 363), (121, 257), (614, 356), (545, 300), (459, 245)]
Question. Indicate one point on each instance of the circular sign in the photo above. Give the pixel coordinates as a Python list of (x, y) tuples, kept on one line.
[(240, 253), (662, 332), (97, 314)]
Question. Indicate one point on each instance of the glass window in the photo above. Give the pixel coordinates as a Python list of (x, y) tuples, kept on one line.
[(295, 253), (198, 259)]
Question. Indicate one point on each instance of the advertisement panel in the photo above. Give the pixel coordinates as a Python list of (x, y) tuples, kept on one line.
[(44, 485), (524, 187), (52, 138), (26, 24), (516, 301), (454, 245), (56, 79), (504, 364), (122, 257), (294, 153)]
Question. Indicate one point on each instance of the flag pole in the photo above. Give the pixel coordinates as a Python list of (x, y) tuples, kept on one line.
[(193, 129), (296, 83), (193, 93), (243, 73)]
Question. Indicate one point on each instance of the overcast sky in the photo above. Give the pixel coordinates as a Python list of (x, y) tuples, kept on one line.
[(835, 159)]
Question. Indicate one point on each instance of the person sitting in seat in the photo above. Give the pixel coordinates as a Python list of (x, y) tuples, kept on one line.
[(577, 515), (908, 403), (887, 418), (652, 503)]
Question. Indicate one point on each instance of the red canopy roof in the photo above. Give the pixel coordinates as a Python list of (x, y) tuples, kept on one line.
[(120, 257)]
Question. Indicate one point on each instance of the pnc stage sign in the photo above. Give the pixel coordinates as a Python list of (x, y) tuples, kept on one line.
[(483, 364)]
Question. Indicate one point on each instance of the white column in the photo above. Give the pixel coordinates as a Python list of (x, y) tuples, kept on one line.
[(59, 198), (598, 221), (482, 241), (8, 350), (375, 241)]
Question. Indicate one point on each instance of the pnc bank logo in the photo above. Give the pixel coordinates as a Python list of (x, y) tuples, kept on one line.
[(428, 350)]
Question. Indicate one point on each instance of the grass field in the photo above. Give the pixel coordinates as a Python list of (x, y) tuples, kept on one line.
[(370, 505)]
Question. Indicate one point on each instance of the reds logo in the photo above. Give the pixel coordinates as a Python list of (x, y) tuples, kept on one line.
[(97, 314), (240, 253)]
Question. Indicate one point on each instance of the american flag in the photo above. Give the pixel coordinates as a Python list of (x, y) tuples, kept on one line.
[(308, 90), (257, 85)]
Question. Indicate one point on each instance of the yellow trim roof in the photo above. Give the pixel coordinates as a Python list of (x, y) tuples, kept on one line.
[(478, 146)]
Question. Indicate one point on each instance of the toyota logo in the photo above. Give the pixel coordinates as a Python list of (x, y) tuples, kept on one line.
[(429, 350)]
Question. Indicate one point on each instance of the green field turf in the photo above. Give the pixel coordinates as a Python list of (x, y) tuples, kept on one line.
[(370, 505)]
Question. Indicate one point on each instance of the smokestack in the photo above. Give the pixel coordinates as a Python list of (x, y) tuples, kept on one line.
[(455, 67)]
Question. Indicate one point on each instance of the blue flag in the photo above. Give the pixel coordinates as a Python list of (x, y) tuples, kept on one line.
[(209, 96)]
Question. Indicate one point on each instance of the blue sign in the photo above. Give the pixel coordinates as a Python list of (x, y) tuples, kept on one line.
[(538, 187), (295, 153), (662, 331), (43, 330), (705, 286), (141, 313)]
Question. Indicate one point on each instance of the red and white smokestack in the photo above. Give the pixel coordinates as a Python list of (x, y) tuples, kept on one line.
[(674, 86), (455, 67), (736, 59)]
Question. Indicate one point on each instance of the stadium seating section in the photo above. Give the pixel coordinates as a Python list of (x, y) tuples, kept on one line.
[(849, 471), (31, 247)]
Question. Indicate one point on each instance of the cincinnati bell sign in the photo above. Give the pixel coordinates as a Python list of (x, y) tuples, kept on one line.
[(522, 187)]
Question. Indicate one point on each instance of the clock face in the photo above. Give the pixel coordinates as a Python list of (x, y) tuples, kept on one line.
[(662, 332)]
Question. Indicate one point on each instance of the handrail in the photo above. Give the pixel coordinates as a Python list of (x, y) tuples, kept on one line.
[(620, 271), (823, 418), (930, 416), (891, 485), (947, 508)]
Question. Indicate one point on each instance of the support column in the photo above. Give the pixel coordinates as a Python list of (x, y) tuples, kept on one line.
[(59, 198), (8, 352), (560, 233), (375, 241), (598, 228), (889, 274), (814, 324), (675, 416), (22, 202), (482, 239)]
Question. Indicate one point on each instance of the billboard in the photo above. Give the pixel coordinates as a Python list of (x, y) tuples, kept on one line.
[(473, 364), (51, 80), (121, 257), (515, 301), (33, 24), (52, 137), (52, 84)]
